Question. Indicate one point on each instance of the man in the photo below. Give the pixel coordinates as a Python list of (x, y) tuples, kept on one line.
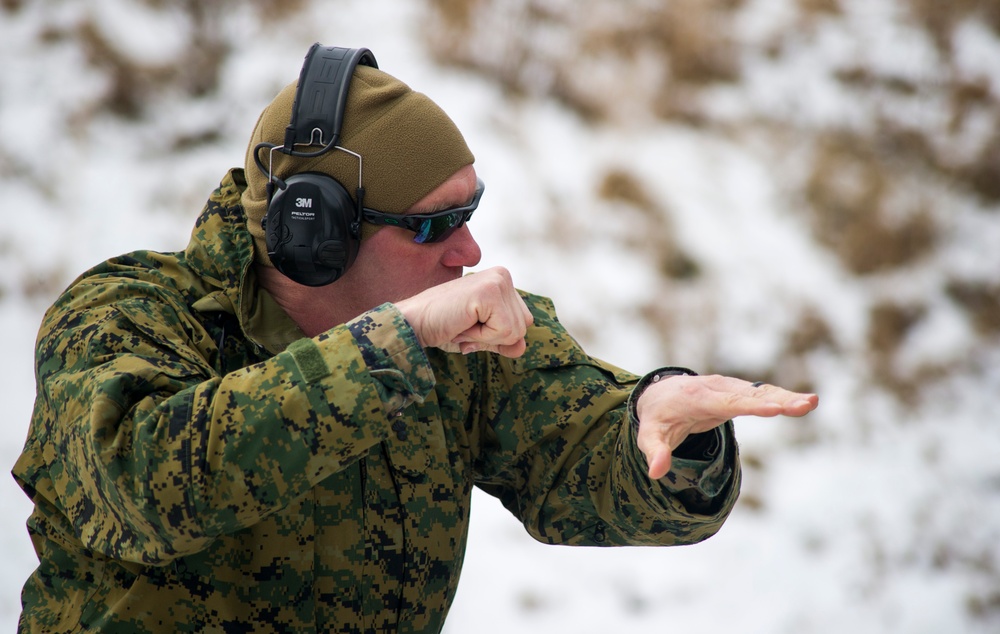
[(252, 435)]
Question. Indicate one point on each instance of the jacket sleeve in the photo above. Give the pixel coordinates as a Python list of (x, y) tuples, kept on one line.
[(138, 452), (559, 451)]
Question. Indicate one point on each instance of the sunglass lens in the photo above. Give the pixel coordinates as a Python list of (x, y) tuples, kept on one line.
[(437, 229), (423, 233)]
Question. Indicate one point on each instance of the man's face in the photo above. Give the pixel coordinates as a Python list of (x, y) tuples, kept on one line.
[(390, 266)]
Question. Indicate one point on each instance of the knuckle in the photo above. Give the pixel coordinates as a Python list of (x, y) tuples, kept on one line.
[(504, 332), (501, 278)]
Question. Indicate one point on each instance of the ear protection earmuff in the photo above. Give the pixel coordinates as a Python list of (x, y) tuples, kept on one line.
[(312, 226)]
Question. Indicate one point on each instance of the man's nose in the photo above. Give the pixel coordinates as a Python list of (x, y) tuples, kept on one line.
[(463, 248)]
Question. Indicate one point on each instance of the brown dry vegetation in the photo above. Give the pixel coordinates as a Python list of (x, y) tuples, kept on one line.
[(132, 85), (981, 301), (853, 208), (814, 7), (889, 325), (940, 18), (810, 333), (608, 60), (654, 234)]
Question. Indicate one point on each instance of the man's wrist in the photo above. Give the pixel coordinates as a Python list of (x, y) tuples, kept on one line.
[(653, 377)]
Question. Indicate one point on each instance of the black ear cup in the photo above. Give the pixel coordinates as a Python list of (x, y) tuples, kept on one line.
[(309, 229), (312, 226)]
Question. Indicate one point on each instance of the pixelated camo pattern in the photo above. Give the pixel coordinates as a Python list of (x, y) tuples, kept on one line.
[(193, 472)]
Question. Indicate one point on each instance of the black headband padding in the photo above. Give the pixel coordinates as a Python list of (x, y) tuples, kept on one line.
[(323, 83)]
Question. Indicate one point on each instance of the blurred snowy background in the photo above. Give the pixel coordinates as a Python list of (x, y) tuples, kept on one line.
[(805, 192)]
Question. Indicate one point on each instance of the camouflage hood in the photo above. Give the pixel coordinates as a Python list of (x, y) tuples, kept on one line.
[(221, 255)]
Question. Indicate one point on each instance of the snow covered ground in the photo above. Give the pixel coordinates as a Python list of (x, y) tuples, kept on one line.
[(866, 517)]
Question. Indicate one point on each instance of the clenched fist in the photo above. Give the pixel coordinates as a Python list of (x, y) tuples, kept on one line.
[(481, 311)]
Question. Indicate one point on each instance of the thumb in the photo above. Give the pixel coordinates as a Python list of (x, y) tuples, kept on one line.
[(659, 462)]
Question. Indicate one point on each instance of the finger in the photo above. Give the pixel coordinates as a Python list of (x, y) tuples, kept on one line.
[(472, 347), (514, 305), (504, 325), (792, 403), (512, 351), (736, 397), (496, 332), (733, 404), (498, 335), (802, 406), (518, 348), (517, 313)]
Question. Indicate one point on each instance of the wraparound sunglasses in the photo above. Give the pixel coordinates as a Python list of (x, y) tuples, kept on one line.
[(428, 228)]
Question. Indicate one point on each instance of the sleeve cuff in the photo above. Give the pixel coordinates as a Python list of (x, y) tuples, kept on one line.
[(393, 356)]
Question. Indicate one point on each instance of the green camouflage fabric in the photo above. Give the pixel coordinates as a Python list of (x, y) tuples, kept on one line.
[(196, 465)]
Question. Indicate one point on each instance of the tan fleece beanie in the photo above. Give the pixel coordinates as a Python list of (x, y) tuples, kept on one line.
[(408, 146)]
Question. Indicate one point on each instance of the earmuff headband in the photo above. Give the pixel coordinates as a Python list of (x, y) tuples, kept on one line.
[(322, 92)]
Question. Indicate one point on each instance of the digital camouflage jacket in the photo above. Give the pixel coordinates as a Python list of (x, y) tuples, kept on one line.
[(197, 465)]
